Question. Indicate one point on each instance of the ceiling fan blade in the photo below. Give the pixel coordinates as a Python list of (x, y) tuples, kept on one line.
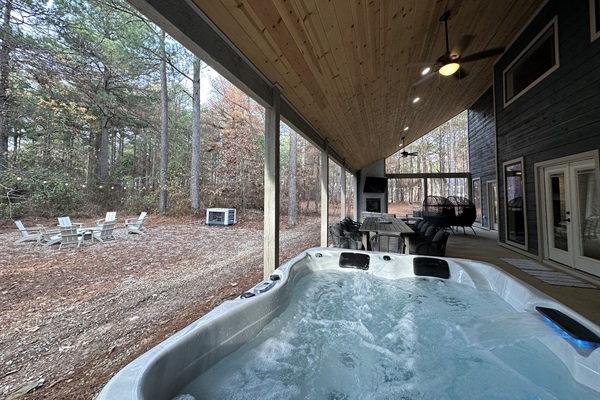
[(464, 42), (461, 73), (421, 64), (482, 54), (430, 75)]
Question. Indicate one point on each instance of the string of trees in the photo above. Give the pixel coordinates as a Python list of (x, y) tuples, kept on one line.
[(99, 110)]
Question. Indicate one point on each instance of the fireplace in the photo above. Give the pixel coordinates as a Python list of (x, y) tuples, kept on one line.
[(373, 205)]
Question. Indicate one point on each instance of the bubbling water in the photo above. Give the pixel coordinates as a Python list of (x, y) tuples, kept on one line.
[(351, 335)]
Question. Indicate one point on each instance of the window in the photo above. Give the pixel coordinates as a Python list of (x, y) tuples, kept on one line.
[(477, 199), (514, 202), (595, 19), (538, 60)]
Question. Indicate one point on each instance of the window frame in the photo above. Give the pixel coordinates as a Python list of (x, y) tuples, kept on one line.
[(554, 24), (594, 19), (477, 200), (507, 238)]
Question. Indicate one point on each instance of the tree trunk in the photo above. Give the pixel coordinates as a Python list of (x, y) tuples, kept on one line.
[(292, 188), (164, 134), (4, 84), (195, 168), (103, 151)]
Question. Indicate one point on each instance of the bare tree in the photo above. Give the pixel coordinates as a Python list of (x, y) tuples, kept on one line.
[(292, 188), (195, 168), (164, 135), (4, 83)]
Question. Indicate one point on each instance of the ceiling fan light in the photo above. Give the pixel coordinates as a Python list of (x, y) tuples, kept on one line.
[(449, 69)]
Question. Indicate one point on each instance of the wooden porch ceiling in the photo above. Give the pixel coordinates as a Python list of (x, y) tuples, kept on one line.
[(347, 65)]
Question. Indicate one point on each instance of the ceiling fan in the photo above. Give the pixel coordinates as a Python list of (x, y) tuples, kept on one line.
[(450, 63), (405, 153)]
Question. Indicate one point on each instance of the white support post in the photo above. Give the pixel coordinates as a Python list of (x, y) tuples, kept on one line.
[(271, 213), (324, 196), (343, 193), (355, 198)]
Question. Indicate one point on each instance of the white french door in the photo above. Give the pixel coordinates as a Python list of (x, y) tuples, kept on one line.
[(571, 215)]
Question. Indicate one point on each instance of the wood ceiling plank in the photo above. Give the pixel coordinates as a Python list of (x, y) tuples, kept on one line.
[(281, 25)]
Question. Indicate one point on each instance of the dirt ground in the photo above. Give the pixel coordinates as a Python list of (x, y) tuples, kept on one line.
[(70, 319)]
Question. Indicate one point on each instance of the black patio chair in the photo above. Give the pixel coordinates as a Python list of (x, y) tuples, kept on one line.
[(387, 242), (435, 247), (343, 239)]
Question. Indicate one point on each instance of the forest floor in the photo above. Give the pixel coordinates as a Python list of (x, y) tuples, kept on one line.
[(70, 319)]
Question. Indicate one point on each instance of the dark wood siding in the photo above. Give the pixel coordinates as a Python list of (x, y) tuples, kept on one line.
[(482, 148), (560, 116)]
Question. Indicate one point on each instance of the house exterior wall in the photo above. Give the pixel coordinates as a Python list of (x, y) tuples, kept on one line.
[(482, 147), (559, 116)]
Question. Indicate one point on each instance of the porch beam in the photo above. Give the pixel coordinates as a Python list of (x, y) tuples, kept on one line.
[(324, 196), (272, 166), (428, 175), (343, 193)]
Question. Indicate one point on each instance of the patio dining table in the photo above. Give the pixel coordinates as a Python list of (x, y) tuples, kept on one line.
[(386, 225)]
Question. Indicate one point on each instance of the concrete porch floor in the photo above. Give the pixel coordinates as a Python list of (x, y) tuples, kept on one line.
[(484, 247)]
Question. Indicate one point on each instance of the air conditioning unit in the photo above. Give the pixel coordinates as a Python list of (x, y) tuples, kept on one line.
[(220, 216)]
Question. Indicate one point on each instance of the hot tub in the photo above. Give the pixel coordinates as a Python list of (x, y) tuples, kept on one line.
[(286, 339)]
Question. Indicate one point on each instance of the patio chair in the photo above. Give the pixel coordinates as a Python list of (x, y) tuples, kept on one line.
[(106, 233), (49, 236), (110, 216), (136, 225), (29, 234), (69, 237), (437, 245), (66, 221), (344, 239), (387, 242)]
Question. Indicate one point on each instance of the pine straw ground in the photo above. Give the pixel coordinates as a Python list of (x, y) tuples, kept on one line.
[(70, 319)]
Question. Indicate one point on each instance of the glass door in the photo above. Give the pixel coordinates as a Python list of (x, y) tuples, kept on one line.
[(587, 253), (492, 194), (572, 215), (558, 215)]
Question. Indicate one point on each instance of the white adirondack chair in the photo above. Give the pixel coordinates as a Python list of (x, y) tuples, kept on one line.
[(49, 236), (69, 237), (29, 234), (106, 233), (136, 225), (66, 221), (110, 216)]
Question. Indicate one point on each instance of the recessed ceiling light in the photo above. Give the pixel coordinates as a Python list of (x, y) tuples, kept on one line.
[(416, 99), (406, 128), (425, 71)]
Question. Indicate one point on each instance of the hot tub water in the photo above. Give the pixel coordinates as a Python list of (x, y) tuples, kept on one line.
[(351, 335)]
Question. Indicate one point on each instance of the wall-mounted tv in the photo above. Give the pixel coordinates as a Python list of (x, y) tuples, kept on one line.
[(375, 184)]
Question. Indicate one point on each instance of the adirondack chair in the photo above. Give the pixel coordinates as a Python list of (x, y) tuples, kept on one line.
[(29, 234), (110, 216), (49, 236), (106, 233), (66, 221), (69, 237), (136, 225)]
